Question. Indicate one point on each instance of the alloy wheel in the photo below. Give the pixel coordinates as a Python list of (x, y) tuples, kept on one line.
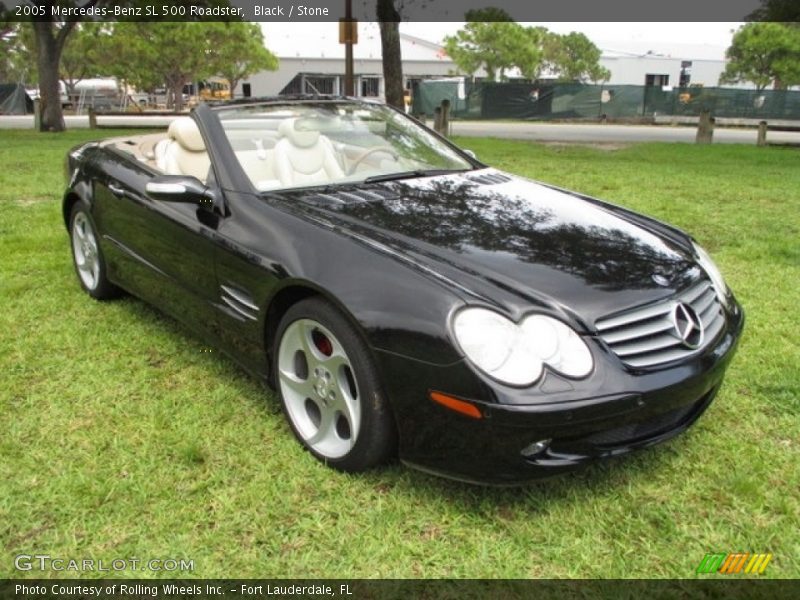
[(84, 248), (319, 388)]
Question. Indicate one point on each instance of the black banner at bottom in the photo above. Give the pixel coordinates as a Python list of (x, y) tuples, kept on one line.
[(358, 589)]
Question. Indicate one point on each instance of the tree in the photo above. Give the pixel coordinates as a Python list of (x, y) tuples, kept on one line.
[(165, 53), (50, 40), (389, 17), (7, 26), (575, 58), (85, 54), (51, 36), (764, 54), (238, 51), (492, 41), (780, 11), (18, 53)]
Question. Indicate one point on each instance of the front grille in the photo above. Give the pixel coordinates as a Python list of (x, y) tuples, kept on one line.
[(646, 336), (641, 431)]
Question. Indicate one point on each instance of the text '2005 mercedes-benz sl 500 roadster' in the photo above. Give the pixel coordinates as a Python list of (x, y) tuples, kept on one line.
[(403, 298)]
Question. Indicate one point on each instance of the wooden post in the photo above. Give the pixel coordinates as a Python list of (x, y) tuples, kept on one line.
[(705, 128), (37, 114), (437, 119), (92, 118), (762, 134), (445, 124)]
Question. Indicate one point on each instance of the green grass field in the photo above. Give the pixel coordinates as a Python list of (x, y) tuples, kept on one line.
[(123, 436)]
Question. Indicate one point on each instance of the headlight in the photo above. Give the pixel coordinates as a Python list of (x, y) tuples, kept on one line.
[(515, 353), (713, 272)]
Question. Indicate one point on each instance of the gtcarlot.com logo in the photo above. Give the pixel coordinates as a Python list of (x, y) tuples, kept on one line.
[(45, 562), (731, 564)]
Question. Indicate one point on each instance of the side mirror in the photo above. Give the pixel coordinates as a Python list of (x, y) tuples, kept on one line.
[(180, 188), (469, 153)]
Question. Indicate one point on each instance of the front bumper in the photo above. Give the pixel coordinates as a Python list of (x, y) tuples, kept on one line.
[(613, 412)]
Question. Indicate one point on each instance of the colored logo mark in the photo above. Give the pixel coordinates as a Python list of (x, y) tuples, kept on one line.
[(738, 562)]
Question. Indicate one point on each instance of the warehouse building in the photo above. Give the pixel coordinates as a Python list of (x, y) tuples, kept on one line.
[(313, 61)]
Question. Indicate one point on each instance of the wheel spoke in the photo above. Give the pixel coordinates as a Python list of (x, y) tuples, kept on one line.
[(335, 362), (348, 405), (80, 260), (79, 229), (324, 431), (302, 387), (307, 346)]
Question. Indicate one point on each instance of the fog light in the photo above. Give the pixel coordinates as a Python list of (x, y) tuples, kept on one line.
[(535, 448)]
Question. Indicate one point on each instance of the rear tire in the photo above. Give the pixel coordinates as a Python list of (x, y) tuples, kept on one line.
[(87, 257), (329, 388)]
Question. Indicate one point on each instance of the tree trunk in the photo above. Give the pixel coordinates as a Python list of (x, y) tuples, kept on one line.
[(70, 84), (705, 128), (232, 83), (48, 54), (177, 97), (176, 89), (392, 61)]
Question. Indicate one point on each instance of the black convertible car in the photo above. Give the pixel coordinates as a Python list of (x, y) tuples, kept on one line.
[(402, 297)]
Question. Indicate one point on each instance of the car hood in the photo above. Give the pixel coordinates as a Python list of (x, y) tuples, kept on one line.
[(515, 242)]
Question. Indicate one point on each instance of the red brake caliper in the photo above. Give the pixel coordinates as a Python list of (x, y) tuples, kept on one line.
[(322, 343)]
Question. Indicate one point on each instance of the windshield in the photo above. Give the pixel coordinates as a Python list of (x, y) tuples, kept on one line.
[(298, 145)]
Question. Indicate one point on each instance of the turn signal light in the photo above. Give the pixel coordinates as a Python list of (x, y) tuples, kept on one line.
[(460, 406)]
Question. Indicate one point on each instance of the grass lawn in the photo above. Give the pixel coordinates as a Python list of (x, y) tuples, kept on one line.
[(124, 437)]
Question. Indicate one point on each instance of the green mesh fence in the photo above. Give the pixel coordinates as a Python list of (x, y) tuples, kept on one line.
[(488, 100)]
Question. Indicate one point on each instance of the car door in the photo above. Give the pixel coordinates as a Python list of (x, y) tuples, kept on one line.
[(161, 251)]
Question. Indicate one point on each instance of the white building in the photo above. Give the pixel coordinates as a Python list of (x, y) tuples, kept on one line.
[(314, 60), (676, 65), (311, 58)]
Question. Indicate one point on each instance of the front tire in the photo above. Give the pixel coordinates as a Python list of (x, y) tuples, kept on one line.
[(329, 388), (90, 266)]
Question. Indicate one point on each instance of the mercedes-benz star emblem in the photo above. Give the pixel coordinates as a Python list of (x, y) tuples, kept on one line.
[(688, 326)]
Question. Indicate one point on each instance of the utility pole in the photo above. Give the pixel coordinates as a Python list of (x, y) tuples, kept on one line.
[(348, 35)]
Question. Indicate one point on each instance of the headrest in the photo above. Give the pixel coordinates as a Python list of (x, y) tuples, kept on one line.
[(298, 133), (184, 130)]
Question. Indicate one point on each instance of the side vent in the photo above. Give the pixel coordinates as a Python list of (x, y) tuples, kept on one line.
[(353, 196), (239, 303), (490, 178)]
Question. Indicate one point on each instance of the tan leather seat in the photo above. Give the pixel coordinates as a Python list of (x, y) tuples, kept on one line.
[(259, 165), (304, 156), (185, 154)]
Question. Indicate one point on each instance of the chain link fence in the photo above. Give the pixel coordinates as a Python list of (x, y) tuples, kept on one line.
[(547, 101)]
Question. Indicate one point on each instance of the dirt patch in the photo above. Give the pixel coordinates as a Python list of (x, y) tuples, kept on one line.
[(31, 200)]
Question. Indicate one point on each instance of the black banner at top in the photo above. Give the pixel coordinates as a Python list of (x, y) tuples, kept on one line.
[(365, 10)]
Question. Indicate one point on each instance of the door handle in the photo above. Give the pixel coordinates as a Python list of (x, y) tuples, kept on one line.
[(116, 190)]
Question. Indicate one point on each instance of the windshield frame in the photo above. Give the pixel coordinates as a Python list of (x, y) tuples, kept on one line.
[(246, 184)]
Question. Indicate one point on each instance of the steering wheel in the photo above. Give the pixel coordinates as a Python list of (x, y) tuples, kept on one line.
[(368, 152)]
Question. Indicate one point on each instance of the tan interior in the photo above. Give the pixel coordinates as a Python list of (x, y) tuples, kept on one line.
[(291, 156)]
